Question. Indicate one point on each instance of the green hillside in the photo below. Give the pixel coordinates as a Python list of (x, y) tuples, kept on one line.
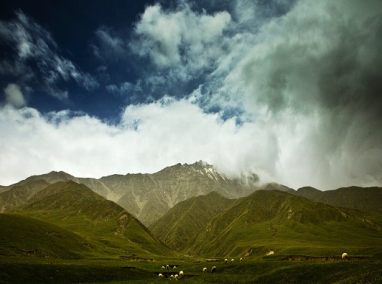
[(24, 236), (78, 209), (367, 199), (20, 194), (180, 225), (287, 224)]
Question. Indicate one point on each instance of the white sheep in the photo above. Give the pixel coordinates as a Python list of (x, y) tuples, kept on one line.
[(176, 277), (213, 269), (204, 270), (171, 277), (160, 275), (232, 260), (344, 255), (225, 261), (241, 259), (163, 267), (174, 267), (181, 273), (167, 267)]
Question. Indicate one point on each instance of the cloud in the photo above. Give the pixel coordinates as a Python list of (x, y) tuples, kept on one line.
[(315, 72), (164, 133), (109, 45), (291, 91), (309, 71), (32, 58), (14, 96), (171, 38)]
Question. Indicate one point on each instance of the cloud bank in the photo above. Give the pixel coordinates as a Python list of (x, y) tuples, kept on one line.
[(294, 96)]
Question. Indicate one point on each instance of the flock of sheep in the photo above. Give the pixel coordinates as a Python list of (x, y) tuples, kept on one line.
[(175, 277), (213, 269)]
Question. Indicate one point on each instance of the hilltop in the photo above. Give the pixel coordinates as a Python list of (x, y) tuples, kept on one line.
[(368, 199), (76, 208)]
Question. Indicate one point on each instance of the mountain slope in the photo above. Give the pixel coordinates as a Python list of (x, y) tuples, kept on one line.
[(77, 208), (182, 222), (149, 196), (23, 236), (367, 199), (289, 224), (20, 194)]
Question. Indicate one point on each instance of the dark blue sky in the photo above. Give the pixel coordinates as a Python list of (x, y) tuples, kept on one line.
[(72, 26)]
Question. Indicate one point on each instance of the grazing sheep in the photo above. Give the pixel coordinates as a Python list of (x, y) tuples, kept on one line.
[(167, 267), (232, 260), (344, 255), (176, 277), (225, 261), (213, 269), (160, 275), (174, 267), (163, 267), (241, 259), (181, 274), (171, 277), (204, 270)]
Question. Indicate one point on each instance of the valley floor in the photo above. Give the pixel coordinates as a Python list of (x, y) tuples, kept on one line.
[(40, 270)]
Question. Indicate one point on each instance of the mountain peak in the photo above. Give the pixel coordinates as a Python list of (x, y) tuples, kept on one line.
[(202, 163)]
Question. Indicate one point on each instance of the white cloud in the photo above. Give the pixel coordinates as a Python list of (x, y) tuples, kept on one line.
[(153, 136), (14, 96), (171, 38), (149, 138), (35, 58)]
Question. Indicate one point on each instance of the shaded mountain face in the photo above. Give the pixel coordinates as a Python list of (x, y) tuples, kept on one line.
[(20, 194), (367, 199), (285, 223), (149, 196), (180, 224), (77, 208)]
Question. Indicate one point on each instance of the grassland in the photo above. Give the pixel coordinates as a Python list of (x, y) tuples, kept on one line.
[(68, 234), (256, 270)]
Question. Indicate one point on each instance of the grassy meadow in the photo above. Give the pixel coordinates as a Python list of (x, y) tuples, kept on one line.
[(250, 270)]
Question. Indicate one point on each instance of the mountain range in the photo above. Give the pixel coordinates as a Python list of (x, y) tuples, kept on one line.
[(281, 222), (149, 196), (190, 210)]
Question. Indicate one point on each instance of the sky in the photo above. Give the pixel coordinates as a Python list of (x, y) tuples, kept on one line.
[(288, 89)]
